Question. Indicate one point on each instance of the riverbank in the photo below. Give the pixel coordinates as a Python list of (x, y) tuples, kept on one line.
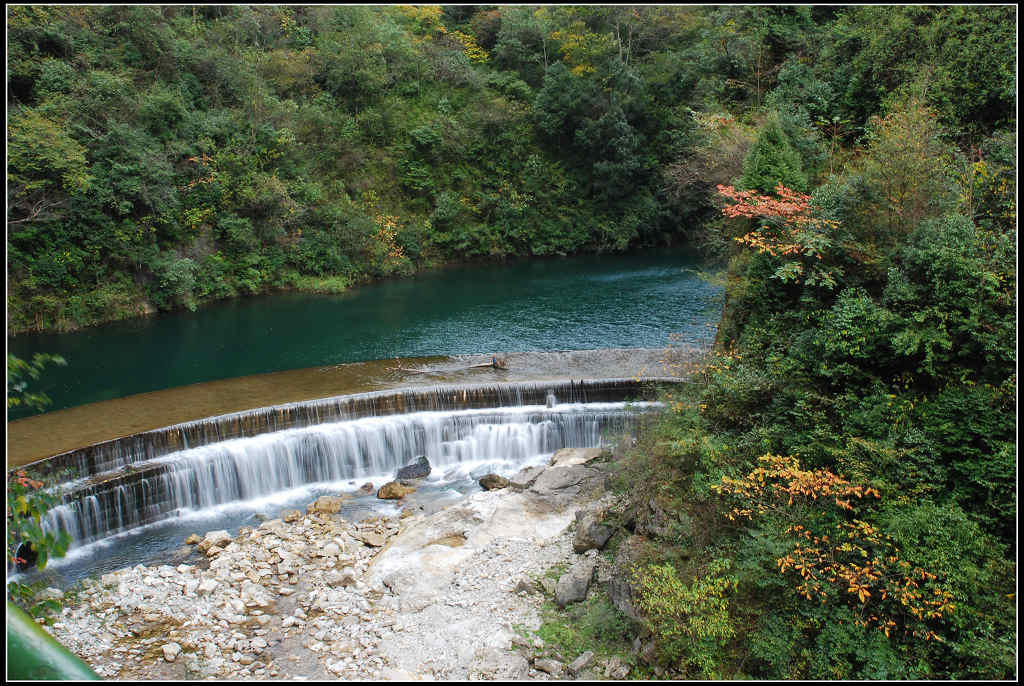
[(428, 595)]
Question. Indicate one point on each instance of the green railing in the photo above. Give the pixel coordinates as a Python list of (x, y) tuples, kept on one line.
[(35, 655)]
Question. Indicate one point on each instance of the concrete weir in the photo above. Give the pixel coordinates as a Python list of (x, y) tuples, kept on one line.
[(132, 481)]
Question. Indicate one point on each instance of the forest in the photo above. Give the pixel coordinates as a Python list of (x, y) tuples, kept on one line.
[(835, 493)]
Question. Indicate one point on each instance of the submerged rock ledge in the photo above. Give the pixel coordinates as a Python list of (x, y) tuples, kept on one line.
[(447, 595)]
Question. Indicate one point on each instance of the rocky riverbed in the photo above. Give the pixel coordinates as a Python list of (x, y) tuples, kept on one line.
[(447, 595)]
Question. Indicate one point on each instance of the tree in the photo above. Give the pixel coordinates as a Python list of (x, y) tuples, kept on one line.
[(773, 160), (45, 166), (904, 177)]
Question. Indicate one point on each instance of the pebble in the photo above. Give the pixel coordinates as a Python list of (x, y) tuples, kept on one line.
[(298, 596)]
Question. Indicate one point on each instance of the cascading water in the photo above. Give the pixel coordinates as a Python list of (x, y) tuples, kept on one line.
[(251, 468), (340, 442)]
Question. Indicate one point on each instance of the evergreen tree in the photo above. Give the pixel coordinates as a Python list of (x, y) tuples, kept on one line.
[(773, 160)]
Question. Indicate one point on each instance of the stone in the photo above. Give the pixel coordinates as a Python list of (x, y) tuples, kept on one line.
[(645, 650), (329, 504), (219, 539), (620, 586), (393, 490), (560, 478), (616, 669), (343, 577), (492, 664), (330, 550), (552, 667), (567, 457), (420, 469), (370, 538), (366, 488), (572, 586), (171, 651), (291, 515), (591, 533), (274, 526), (213, 551), (193, 539), (525, 477), (493, 482), (207, 586), (524, 585), (50, 594), (582, 662)]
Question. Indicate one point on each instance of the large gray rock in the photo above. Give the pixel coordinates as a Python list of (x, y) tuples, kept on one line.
[(567, 457), (552, 667), (525, 477), (591, 532), (621, 590), (582, 662), (572, 586), (560, 486), (493, 664), (556, 479), (419, 469), (659, 519)]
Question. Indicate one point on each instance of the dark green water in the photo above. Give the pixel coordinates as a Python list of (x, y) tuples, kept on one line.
[(580, 303)]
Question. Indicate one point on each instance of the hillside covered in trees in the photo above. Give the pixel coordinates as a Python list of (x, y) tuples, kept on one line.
[(834, 497), (162, 157)]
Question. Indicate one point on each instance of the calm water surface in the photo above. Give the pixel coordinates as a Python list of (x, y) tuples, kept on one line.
[(580, 303)]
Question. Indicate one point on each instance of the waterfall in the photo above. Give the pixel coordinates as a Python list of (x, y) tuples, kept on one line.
[(121, 452), (252, 454)]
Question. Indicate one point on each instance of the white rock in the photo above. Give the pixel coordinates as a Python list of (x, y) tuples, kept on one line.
[(207, 586), (171, 651)]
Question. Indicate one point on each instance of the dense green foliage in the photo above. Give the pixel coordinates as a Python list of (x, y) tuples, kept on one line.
[(850, 448), (163, 157), (27, 499)]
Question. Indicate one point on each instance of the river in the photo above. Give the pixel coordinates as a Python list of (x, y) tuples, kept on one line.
[(131, 376), (640, 315)]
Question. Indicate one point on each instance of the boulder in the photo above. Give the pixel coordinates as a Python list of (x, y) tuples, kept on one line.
[(620, 587), (291, 515), (525, 477), (366, 488), (171, 651), (567, 457), (561, 485), (572, 586), (582, 662), (326, 503), (393, 490), (193, 539), (370, 538), (493, 482), (591, 533), (414, 470), (552, 667), (492, 664), (218, 539)]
